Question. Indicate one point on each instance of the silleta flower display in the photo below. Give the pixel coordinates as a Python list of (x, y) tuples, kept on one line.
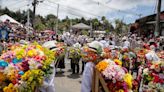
[(24, 67)]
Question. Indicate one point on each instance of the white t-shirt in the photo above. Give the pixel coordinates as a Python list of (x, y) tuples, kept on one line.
[(104, 43), (126, 44), (86, 85), (152, 56)]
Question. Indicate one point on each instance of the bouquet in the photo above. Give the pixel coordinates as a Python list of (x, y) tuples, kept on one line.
[(60, 50), (24, 67), (116, 76), (74, 53), (90, 55), (106, 53), (153, 77)]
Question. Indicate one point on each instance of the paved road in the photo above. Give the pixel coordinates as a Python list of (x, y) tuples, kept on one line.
[(65, 82)]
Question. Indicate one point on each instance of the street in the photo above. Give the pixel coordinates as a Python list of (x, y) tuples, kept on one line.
[(66, 82)]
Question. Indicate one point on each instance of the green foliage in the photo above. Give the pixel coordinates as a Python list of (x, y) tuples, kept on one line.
[(49, 22), (120, 26), (84, 32), (40, 27), (107, 31)]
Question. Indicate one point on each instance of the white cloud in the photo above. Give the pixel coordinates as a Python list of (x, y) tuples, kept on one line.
[(85, 8)]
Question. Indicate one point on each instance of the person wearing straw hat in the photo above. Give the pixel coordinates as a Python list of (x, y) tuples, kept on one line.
[(95, 47)]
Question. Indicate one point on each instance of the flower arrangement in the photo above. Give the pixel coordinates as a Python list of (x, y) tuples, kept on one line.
[(161, 54), (24, 67), (101, 66), (60, 50), (106, 54), (153, 77), (90, 55), (74, 52), (141, 55), (117, 78)]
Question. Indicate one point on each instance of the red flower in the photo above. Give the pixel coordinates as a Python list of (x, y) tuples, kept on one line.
[(157, 79)]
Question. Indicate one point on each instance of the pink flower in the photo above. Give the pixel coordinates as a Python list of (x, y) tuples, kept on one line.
[(114, 71)]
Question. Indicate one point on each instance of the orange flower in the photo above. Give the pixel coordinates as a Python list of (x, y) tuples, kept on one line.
[(101, 66), (2, 77)]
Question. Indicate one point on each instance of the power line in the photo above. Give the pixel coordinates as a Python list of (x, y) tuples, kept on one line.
[(75, 9), (16, 3), (119, 10), (65, 9), (19, 7)]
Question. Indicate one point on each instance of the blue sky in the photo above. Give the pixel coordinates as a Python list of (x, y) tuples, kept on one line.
[(89, 8)]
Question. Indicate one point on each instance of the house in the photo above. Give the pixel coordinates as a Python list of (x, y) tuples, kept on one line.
[(146, 25)]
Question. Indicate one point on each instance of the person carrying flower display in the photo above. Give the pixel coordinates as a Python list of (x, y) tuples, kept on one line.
[(59, 52), (75, 55), (91, 54)]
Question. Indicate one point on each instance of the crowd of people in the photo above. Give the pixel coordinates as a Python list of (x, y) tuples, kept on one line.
[(130, 41), (12, 34)]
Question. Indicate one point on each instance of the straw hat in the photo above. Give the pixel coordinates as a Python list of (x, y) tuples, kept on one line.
[(96, 46)]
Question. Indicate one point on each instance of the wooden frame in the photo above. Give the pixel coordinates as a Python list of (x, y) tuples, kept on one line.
[(97, 81)]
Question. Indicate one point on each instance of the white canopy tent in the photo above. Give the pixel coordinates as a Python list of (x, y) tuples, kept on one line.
[(4, 17), (81, 26)]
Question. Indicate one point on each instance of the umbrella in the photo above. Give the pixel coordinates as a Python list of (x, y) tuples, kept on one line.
[(50, 44)]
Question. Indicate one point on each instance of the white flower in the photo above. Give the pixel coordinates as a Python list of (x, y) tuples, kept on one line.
[(145, 71)]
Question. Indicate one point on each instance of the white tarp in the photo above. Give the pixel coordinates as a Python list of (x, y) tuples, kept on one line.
[(4, 17)]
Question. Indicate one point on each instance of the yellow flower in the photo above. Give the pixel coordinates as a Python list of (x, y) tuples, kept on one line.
[(39, 47), (118, 62), (128, 79), (31, 53), (19, 57), (101, 66), (20, 53), (120, 90), (10, 88)]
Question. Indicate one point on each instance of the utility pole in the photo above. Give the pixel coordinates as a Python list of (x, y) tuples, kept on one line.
[(34, 10), (70, 28), (157, 27), (91, 32), (28, 19), (28, 14), (57, 19), (35, 2)]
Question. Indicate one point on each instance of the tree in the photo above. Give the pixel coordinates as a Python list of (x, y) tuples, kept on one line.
[(51, 21), (40, 27), (120, 26), (95, 23)]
